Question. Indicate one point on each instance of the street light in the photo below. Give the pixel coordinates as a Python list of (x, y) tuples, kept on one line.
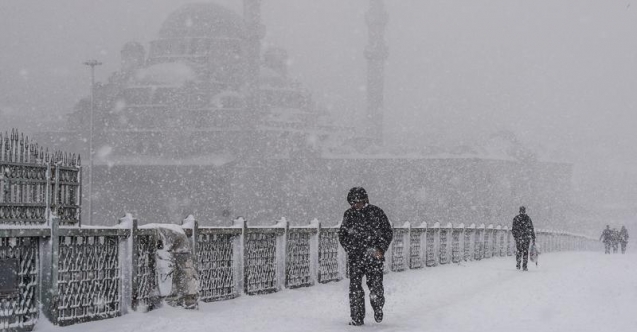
[(92, 64)]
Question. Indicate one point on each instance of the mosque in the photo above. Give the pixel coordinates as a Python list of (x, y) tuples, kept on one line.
[(204, 121)]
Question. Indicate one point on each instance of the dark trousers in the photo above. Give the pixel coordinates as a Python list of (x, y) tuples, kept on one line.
[(522, 252), (623, 243), (607, 247), (372, 269)]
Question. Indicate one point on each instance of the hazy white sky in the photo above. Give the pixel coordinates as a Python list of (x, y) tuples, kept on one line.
[(562, 74)]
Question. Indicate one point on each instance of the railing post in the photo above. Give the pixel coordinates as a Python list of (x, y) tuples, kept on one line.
[(78, 197), (135, 265), (407, 246), (436, 230), (191, 223), (282, 254), (468, 242), (408, 251), (423, 244), (314, 252), (56, 190), (479, 242), (128, 267), (399, 250), (499, 242), (426, 246), (488, 242), (49, 272), (411, 254), (47, 194), (239, 256), (462, 241), (552, 241), (507, 241), (429, 246), (563, 243)]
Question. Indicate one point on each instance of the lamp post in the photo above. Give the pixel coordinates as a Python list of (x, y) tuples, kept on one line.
[(92, 64)]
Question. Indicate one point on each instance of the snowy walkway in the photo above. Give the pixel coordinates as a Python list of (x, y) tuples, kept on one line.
[(568, 292)]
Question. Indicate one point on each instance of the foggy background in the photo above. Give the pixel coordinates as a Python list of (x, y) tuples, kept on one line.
[(562, 75)]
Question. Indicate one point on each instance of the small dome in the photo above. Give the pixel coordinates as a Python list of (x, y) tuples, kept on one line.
[(203, 20)]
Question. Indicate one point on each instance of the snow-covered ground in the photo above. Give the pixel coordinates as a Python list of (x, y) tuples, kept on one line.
[(573, 291)]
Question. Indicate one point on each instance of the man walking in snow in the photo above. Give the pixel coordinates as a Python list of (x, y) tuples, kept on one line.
[(623, 238), (523, 233), (614, 240), (606, 237), (365, 234)]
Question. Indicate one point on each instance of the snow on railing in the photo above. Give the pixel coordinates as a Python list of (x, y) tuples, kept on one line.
[(122, 263)]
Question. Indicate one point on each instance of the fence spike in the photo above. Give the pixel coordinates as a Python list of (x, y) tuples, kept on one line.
[(35, 153), (12, 146), (6, 146)]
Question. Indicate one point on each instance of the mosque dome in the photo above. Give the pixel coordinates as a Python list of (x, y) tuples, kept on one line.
[(203, 20)]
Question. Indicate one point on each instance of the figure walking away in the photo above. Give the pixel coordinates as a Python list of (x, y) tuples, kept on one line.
[(606, 237), (615, 240), (623, 238), (365, 234), (523, 233)]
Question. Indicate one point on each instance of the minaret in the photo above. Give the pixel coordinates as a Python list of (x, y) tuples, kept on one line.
[(376, 53)]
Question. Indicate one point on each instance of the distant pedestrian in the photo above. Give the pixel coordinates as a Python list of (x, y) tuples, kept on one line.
[(365, 234), (623, 238), (614, 239), (523, 233), (607, 238)]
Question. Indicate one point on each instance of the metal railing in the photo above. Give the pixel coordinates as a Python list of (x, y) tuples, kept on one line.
[(254, 260), (99, 273)]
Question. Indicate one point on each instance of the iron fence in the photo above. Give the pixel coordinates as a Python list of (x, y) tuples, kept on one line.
[(34, 183)]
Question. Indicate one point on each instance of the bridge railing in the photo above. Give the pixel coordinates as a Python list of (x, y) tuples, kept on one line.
[(256, 260), (72, 275), (101, 272)]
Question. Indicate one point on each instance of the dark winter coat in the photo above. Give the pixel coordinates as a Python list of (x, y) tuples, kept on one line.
[(607, 235), (365, 230), (522, 227), (623, 235), (614, 237)]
